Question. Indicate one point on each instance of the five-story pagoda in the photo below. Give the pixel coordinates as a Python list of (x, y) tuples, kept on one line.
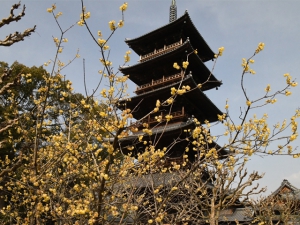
[(170, 102)]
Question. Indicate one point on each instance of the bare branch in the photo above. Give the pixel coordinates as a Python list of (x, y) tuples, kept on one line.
[(17, 36)]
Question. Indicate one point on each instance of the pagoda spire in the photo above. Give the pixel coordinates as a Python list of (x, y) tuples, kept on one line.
[(173, 11)]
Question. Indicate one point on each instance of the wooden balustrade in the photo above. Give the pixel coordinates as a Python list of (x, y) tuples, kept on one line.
[(161, 51), (178, 114), (153, 83)]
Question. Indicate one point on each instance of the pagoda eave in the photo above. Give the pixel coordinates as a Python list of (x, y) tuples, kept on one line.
[(183, 25), (195, 101), (143, 73), (170, 133)]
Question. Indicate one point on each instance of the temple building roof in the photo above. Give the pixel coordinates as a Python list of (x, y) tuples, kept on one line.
[(286, 189), (181, 28), (144, 72), (195, 102), (170, 133)]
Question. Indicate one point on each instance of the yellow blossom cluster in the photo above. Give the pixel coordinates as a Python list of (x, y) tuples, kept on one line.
[(180, 91), (176, 66), (58, 15), (289, 80), (127, 56), (50, 10), (220, 52), (121, 23), (260, 47), (112, 25), (185, 64), (246, 67), (124, 6), (83, 16)]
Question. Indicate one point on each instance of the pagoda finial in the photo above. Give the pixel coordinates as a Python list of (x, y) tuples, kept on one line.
[(173, 11)]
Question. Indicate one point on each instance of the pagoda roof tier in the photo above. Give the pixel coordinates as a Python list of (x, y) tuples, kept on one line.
[(182, 28), (195, 102), (169, 133), (162, 66)]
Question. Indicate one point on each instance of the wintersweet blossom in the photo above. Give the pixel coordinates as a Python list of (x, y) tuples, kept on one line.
[(221, 50), (268, 88), (287, 93), (185, 64), (121, 23), (260, 47), (101, 41), (175, 65), (112, 25), (124, 6)]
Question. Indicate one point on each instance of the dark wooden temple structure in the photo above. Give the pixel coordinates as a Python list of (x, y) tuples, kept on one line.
[(154, 76)]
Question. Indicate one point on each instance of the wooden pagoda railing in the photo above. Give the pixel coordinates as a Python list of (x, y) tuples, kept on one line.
[(175, 115), (161, 51), (160, 82)]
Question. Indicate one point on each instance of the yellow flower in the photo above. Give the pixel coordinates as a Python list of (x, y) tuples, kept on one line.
[(99, 33), (248, 103), (112, 25), (101, 41), (287, 93), (260, 47), (170, 101), (58, 15), (60, 50), (293, 137), (175, 65), (173, 91), (268, 88), (168, 117), (121, 23), (157, 103), (49, 10), (251, 60), (294, 84), (221, 50), (196, 52), (220, 117), (124, 6), (185, 64), (127, 58), (174, 188), (87, 15), (252, 71), (80, 22), (181, 92), (155, 109)]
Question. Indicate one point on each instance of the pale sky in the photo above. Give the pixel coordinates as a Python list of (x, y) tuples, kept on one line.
[(238, 25)]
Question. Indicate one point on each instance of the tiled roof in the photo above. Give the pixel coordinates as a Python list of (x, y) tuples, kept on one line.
[(205, 109), (142, 73), (155, 179), (287, 184), (137, 43), (239, 214)]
